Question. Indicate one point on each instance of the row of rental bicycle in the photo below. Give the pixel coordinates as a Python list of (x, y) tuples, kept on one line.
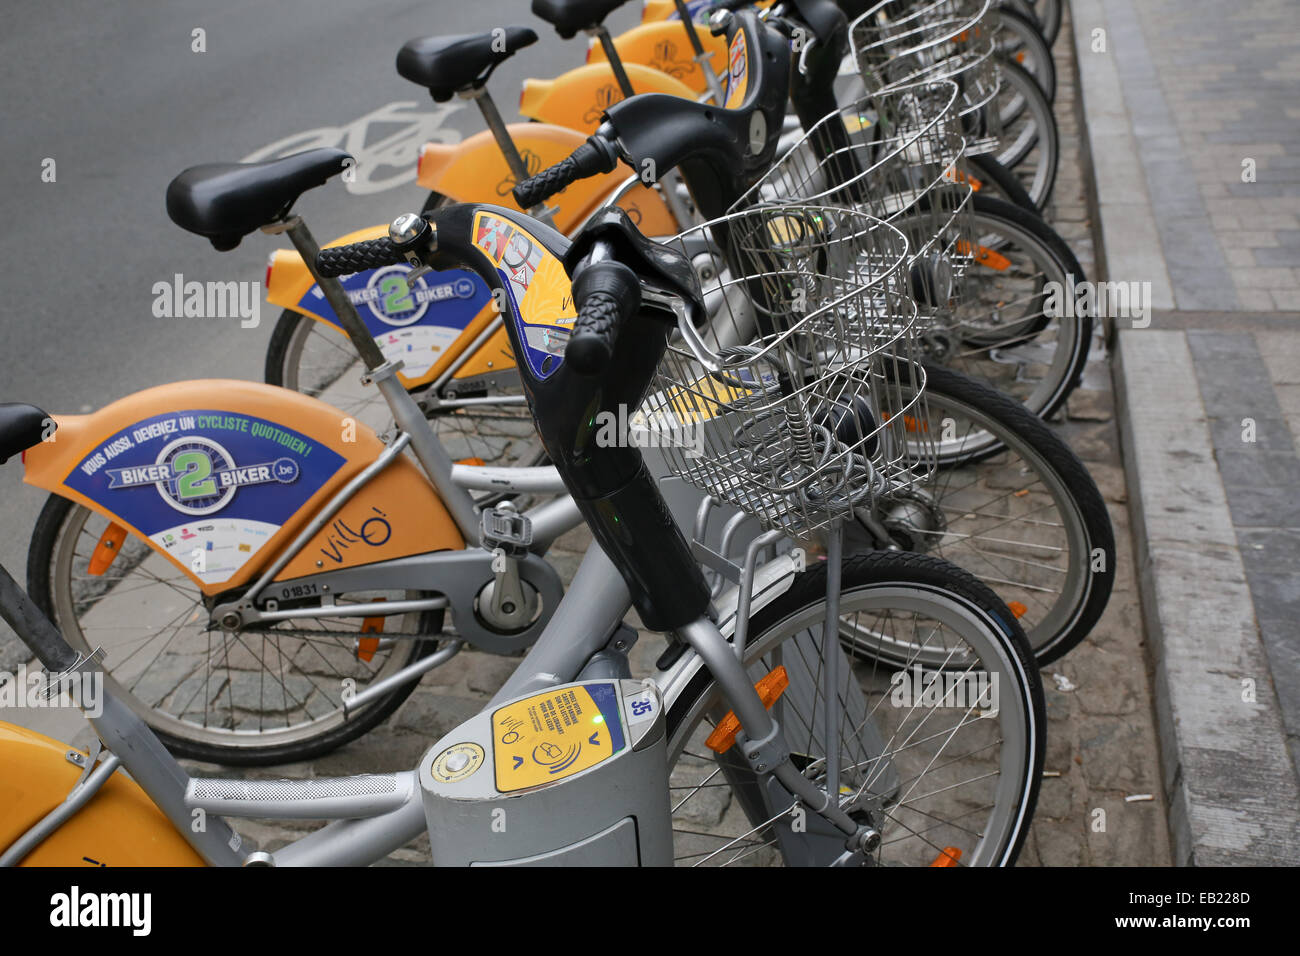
[(762, 296)]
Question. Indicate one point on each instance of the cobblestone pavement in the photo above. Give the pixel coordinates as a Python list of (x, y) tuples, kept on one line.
[(1101, 748)]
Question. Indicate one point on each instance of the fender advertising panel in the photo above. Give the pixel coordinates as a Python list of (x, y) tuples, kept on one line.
[(430, 330), (425, 327), (218, 476), (577, 99)]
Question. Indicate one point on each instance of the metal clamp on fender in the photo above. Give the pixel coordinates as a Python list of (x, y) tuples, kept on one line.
[(767, 754)]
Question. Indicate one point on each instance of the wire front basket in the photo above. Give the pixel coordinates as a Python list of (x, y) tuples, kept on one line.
[(938, 40), (894, 155), (797, 401)]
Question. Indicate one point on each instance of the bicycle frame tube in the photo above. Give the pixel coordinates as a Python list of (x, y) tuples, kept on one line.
[(429, 451), (593, 608)]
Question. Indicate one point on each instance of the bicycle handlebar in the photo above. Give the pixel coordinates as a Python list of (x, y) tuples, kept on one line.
[(595, 156), (358, 257), (607, 295)]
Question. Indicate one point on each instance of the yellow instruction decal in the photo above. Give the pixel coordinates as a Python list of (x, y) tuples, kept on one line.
[(554, 735)]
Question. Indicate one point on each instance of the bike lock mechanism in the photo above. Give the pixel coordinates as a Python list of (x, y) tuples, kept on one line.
[(575, 776)]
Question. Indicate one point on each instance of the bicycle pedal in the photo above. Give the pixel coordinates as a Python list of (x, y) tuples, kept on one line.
[(506, 530)]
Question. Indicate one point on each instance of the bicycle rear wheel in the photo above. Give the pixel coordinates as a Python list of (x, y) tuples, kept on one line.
[(953, 782)]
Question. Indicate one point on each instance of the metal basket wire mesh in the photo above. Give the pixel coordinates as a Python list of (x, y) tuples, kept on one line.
[(795, 403), (894, 155), (936, 40)]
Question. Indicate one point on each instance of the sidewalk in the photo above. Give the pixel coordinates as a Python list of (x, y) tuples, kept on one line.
[(1194, 138)]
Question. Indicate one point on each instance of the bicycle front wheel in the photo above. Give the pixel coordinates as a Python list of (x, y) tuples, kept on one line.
[(1030, 142), (1012, 504), (944, 776), (1000, 326)]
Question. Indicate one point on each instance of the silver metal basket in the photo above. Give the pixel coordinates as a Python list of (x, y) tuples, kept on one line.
[(935, 40), (794, 404), (894, 155)]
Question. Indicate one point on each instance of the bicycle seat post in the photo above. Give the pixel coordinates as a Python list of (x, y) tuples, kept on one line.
[(501, 133), (702, 58), (332, 289), (601, 33)]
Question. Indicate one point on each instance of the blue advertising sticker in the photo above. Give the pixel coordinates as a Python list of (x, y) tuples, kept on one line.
[(414, 325), (208, 486)]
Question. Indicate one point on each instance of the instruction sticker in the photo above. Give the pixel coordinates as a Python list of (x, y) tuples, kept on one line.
[(555, 735), (538, 287)]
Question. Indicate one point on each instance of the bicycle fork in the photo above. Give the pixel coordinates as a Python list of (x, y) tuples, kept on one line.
[(765, 751)]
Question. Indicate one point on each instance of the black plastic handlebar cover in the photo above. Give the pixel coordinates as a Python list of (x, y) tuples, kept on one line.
[(720, 152), (358, 257), (607, 295), (593, 157)]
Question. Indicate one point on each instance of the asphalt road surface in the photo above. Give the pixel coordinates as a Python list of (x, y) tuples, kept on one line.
[(119, 98)]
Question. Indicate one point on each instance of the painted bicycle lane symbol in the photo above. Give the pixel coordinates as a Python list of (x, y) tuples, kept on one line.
[(387, 162)]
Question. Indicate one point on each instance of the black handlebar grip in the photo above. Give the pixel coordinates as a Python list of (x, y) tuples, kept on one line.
[(594, 156), (546, 184), (607, 294), (358, 257)]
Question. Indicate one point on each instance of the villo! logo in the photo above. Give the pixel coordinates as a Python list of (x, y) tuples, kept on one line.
[(196, 476)]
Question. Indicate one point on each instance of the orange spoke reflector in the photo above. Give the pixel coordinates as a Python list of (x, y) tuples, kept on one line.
[(110, 543), (770, 689), (1018, 609), (366, 646), (476, 462), (910, 423), (957, 176), (985, 256), (948, 857), (1020, 57), (1022, 492)]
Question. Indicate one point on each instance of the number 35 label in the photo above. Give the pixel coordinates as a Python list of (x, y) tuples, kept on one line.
[(642, 706)]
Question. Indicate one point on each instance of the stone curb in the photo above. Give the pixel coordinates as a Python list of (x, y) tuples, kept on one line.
[(1231, 787)]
